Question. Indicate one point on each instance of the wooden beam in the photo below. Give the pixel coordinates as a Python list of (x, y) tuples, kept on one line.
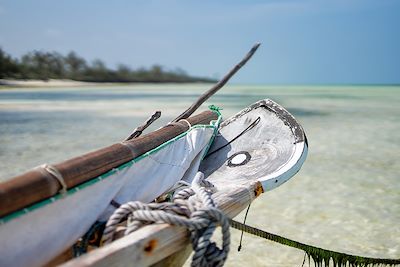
[(153, 243)]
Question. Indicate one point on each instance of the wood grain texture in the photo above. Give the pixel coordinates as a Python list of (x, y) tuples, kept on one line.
[(176, 259), (154, 243), (268, 147), (37, 184)]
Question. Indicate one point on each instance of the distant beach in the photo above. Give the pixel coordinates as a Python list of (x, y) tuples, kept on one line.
[(47, 83), (65, 83)]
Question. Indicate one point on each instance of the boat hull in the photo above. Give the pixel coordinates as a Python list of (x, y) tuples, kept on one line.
[(254, 151), (39, 233)]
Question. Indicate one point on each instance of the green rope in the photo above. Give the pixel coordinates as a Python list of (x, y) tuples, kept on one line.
[(320, 256), (215, 109)]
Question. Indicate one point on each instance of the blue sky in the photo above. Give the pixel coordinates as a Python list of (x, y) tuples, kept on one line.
[(303, 41)]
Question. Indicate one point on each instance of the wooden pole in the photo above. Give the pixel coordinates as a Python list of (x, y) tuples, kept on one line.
[(217, 86), (154, 243), (38, 184), (139, 130)]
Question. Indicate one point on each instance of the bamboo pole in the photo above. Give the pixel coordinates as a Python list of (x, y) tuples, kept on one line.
[(38, 184)]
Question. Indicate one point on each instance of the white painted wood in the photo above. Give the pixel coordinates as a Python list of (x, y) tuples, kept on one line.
[(277, 147)]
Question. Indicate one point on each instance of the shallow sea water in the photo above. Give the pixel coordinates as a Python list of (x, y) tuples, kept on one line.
[(345, 198)]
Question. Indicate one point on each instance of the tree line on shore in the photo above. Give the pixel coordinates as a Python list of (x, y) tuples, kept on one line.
[(53, 65)]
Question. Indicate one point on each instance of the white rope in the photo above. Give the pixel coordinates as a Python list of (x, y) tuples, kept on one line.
[(184, 120), (192, 208), (56, 174)]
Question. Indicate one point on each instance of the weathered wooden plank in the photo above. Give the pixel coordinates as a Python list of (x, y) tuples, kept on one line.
[(63, 257), (177, 259), (153, 243), (37, 184)]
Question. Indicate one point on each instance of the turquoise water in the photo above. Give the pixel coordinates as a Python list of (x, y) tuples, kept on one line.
[(346, 197)]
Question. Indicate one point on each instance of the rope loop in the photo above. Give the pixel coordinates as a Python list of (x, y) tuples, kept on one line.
[(193, 208), (188, 123), (57, 175)]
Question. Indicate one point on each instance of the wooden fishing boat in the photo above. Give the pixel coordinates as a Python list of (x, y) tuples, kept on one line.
[(52, 213), (46, 210), (254, 151)]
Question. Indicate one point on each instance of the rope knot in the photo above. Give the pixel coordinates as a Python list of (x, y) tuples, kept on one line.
[(215, 108), (192, 208)]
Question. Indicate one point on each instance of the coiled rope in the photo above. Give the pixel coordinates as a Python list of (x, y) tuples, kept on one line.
[(192, 208)]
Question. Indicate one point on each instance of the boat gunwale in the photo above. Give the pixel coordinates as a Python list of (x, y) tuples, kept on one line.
[(18, 213), (280, 111)]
